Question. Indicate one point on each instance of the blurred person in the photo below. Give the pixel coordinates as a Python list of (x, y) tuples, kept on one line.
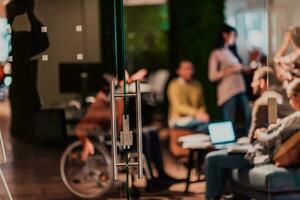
[(186, 100), (218, 164), (98, 117), (270, 139), (257, 58), (225, 68), (288, 64), (5, 34), (291, 39), (23, 93), (265, 84)]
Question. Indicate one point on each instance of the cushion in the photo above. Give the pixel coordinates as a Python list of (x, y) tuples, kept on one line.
[(268, 178), (288, 153), (175, 147)]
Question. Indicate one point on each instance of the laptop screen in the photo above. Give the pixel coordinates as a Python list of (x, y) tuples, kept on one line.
[(221, 132)]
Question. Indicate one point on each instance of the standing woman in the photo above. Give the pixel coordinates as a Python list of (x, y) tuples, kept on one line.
[(225, 69)]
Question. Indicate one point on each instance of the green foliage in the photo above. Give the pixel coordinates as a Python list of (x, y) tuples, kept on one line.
[(194, 28), (147, 36), (187, 31)]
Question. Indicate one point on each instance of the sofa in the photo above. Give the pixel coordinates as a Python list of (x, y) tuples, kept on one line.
[(267, 182)]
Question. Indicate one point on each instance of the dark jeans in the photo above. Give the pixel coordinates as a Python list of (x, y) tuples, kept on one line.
[(152, 150), (195, 126), (230, 107), (218, 165)]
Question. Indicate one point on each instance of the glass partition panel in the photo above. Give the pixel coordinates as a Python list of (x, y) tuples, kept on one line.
[(283, 59), (242, 58)]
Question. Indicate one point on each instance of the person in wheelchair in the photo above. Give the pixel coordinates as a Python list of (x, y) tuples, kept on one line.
[(98, 117)]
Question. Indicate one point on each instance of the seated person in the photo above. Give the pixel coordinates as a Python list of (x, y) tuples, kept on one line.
[(260, 108), (186, 100), (219, 163), (98, 116)]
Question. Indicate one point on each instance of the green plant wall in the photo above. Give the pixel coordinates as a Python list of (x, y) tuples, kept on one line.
[(194, 28), (147, 37)]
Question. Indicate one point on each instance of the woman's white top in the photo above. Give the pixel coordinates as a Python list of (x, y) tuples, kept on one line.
[(228, 86)]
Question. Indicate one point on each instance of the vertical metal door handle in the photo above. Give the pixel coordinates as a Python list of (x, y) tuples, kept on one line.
[(113, 130), (139, 128)]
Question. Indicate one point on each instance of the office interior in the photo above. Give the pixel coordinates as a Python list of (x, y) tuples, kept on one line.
[(61, 138)]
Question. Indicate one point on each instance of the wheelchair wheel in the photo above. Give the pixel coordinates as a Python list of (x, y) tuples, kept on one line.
[(89, 179)]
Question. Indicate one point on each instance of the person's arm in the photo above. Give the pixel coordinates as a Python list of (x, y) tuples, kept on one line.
[(215, 74), (139, 75), (283, 48), (3, 9), (259, 119), (40, 41), (270, 137), (88, 147), (97, 117), (174, 98)]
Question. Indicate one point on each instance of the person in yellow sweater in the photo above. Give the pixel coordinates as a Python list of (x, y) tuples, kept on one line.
[(186, 100)]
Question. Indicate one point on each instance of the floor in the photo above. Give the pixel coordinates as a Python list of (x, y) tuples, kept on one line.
[(32, 172)]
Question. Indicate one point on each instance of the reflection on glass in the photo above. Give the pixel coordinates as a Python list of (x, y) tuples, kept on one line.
[(283, 39), (56, 63)]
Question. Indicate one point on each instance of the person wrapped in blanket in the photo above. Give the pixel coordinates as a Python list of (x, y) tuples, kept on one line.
[(98, 117)]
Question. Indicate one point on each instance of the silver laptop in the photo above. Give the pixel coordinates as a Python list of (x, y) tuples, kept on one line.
[(222, 134)]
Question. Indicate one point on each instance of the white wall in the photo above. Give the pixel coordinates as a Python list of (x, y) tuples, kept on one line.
[(61, 18), (280, 14), (237, 12)]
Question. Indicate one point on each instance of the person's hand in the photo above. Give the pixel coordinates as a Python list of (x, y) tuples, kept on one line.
[(203, 116), (285, 73), (88, 149), (258, 132), (243, 140), (101, 95), (248, 70), (282, 74), (5, 2), (139, 75), (236, 68)]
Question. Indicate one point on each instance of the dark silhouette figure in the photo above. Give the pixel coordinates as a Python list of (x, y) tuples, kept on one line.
[(24, 96)]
